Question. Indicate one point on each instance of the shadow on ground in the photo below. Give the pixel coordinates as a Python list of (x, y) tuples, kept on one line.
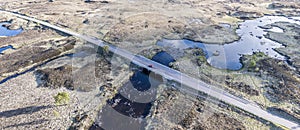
[(21, 111), (28, 123)]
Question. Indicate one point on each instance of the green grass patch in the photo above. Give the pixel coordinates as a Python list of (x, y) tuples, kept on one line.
[(62, 98)]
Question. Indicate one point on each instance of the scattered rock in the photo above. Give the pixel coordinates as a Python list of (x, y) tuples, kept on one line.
[(216, 53), (86, 21), (104, 1)]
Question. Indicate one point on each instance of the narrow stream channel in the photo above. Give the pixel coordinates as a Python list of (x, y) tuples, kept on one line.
[(5, 32)]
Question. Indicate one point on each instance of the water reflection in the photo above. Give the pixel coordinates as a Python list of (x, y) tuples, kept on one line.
[(252, 40), (128, 108)]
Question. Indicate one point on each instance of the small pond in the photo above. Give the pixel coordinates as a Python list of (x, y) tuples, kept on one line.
[(252, 40), (5, 32), (2, 49)]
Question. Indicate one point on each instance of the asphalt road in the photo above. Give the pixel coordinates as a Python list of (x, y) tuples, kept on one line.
[(177, 76)]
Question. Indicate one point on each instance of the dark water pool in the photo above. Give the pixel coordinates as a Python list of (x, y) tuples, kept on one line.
[(252, 40), (5, 32), (128, 108)]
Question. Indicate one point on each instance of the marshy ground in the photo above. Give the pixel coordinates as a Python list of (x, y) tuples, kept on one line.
[(43, 62)]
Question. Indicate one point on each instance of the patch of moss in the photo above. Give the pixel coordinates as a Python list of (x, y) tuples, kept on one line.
[(56, 113), (62, 98), (260, 54), (201, 60), (106, 49), (252, 63), (255, 58)]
